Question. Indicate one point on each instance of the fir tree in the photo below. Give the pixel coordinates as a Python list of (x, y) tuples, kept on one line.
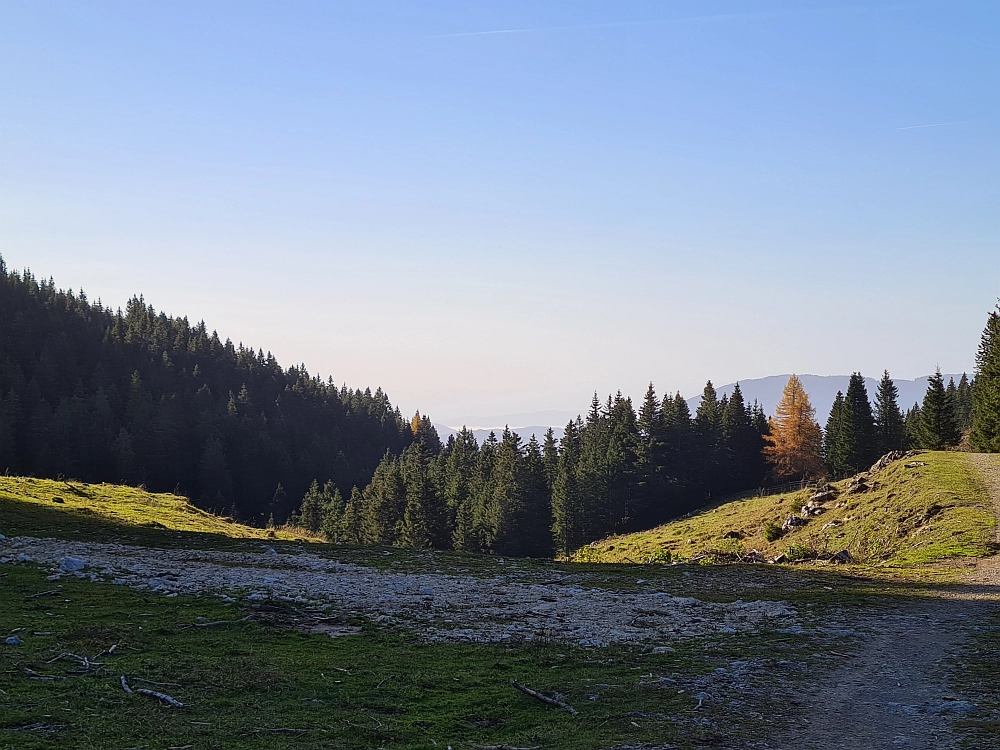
[(937, 429), (833, 437), (567, 523), (963, 404), (311, 509), (889, 421), (985, 435), (858, 427)]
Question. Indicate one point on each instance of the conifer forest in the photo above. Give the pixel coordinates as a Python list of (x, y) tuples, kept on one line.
[(142, 398)]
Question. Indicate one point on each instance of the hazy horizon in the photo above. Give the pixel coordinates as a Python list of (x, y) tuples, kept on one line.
[(501, 208)]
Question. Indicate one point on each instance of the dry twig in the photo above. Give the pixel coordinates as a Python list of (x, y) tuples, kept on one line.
[(544, 698)]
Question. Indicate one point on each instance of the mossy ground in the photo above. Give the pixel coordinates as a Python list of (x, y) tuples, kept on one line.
[(911, 517)]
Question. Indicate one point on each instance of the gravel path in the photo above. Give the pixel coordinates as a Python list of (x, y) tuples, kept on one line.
[(894, 692), (443, 607)]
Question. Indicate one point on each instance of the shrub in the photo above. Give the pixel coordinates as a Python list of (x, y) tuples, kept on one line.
[(772, 531), (799, 551)]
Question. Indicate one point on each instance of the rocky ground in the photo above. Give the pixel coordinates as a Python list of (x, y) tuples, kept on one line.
[(441, 606)]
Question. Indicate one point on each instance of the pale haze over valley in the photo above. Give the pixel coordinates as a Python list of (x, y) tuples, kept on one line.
[(497, 209)]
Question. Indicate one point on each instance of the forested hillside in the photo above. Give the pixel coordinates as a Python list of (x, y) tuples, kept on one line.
[(612, 471), (139, 397)]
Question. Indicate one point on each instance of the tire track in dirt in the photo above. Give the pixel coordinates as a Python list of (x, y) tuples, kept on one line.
[(894, 692)]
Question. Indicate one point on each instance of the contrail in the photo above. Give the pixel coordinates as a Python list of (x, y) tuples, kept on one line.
[(934, 125)]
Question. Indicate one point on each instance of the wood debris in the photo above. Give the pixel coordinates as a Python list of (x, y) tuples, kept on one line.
[(544, 698)]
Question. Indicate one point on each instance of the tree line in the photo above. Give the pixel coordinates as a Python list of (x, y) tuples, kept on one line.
[(138, 397), (615, 470)]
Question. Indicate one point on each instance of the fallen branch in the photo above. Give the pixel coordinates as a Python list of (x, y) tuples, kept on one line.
[(125, 686), (219, 622), (107, 651), (35, 676), (505, 747), (544, 698), (158, 684), (162, 697), (282, 730)]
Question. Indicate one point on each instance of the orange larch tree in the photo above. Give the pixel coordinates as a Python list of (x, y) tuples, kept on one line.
[(793, 447)]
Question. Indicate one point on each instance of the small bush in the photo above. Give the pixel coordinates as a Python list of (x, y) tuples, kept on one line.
[(772, 531), (661, 556), (799, 552)]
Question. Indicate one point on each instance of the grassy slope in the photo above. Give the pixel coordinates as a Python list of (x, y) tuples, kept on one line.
[(910, 517), (52, 508)]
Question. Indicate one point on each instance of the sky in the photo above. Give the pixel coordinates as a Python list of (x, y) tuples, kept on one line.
[(500, 207)]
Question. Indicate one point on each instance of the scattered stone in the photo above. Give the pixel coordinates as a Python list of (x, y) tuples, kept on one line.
[(843, 556), (812, 509), (889, 458), (830, 525), (915, 464), (13, 641), (732, 535), (823, 496), (464, 608), (753, 556), (271, 552), (662, 650), (779, 559), (793, 521), (72, 564)]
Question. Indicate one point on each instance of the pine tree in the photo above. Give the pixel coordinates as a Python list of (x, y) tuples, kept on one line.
[(334, 510), (937, 429), (795, 441), (567, 526), (311, 509), (985, 436), (858, 428), (890, 425), (550, 457), (963, 404), (833, 438)]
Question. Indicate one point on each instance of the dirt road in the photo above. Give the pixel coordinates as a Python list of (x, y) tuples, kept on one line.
[(895, 692)]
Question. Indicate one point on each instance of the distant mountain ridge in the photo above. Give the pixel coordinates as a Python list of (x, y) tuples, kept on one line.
[(822, 390)]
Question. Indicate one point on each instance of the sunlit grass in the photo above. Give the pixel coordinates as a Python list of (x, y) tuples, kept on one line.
[(910, 517)]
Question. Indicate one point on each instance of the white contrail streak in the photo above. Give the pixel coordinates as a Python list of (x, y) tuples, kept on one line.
[(934, 125)]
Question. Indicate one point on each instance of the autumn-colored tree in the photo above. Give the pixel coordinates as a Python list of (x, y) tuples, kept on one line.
[(794, 446)]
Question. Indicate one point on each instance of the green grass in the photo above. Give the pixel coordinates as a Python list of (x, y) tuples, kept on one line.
[(910, 518), (105, 512), (380, 688)]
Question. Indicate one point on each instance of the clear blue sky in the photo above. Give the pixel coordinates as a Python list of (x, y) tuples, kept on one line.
[(501, 207)]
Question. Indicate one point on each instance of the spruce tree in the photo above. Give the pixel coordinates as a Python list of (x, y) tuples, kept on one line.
[(311, 510), (963, 404), (833, 438), (334, 511), (890, 425), (985, 435), (937, 429), (858, 436), (567, 524)]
